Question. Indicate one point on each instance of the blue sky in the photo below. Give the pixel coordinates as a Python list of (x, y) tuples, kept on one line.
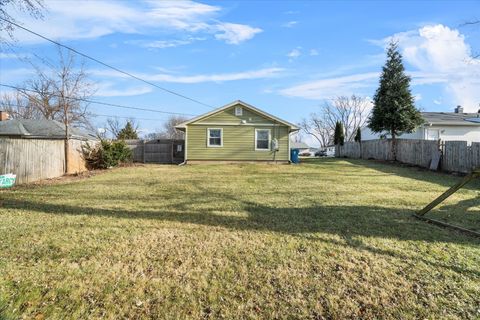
[(284, 57)]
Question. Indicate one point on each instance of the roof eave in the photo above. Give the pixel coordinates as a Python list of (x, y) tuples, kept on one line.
[(231, 104)]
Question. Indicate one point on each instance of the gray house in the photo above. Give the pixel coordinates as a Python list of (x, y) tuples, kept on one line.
[(445, 126), (35, 149)]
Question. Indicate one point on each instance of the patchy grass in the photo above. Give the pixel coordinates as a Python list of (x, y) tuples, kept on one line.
[(325, 239)]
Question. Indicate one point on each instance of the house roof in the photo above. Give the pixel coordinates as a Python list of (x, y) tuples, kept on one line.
[(451, 118), (244, 104), (298, 145), (42, 128)]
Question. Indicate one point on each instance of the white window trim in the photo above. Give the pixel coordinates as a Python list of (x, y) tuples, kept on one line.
[(208, 138), (238, 113), (269, 140)]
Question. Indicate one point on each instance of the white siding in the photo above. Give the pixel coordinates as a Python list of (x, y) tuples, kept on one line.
[(447, 133), (367, 134)]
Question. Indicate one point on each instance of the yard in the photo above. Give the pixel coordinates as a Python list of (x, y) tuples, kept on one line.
[(327, 239)]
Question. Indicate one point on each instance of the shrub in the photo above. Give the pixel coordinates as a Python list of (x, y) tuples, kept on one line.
[(107, 154)]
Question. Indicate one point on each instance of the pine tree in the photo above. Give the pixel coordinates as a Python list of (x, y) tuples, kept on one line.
[(358, 135), (394, 110), (128, 132), (339, 135)]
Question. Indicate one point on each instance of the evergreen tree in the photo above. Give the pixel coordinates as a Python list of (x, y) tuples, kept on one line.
[(128, 132), (394, 110), (358, 135), (339, 135)]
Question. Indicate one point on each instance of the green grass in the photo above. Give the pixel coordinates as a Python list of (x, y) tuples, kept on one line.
[(328, 239)]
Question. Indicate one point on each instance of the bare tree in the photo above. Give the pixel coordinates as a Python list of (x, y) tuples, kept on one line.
[(18, 107), (57, 92), (169, 130), (115, 126), (318, 128), (34, 8), (352, 112)]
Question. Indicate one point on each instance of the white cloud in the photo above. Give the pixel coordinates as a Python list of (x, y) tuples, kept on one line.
[(441, 55), (417, 97), (106, 89), (290, 24), (437, 101), (332, 87), (313, 52), (219, 77), (93, 19), (4, 55), (234, 33), (161, 44), (435, 54), (295, 53)]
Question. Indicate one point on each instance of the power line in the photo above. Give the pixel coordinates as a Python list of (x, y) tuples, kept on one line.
[(107, 65), (102, 115), (124, 117), (99, 102)]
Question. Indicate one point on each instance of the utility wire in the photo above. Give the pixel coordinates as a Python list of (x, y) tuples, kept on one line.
[(98, 102), (107, 65), (102, 115)]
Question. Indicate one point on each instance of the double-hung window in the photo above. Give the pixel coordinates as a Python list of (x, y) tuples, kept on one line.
[(214, 137), (262, 139)]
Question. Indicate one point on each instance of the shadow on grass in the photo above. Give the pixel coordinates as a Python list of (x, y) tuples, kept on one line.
[(345, 221), (306, 223), (398, 169)]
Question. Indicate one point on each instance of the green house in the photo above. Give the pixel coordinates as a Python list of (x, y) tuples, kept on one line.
[(237, 132)]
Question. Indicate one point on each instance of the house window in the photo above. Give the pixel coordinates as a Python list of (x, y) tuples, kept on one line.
[(215, 137), (262, 139), (238, 111)]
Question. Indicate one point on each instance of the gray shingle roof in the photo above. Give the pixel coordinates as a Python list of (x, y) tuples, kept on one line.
[(28, 128), (298, 145), (451, 118)]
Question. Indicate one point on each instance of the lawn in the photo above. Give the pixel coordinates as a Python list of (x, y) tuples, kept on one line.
[(327, 239)]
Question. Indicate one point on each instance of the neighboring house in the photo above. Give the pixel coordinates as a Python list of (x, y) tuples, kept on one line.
[(35, 149), (301, 146), (445, 126), (330, 151), (237, 132)]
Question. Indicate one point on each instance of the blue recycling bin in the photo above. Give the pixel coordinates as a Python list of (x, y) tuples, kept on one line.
[(294, 155)]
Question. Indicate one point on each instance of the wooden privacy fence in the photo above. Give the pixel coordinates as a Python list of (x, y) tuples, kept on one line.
[(32, 159), (457, 156), (37, 159), (157, 150)]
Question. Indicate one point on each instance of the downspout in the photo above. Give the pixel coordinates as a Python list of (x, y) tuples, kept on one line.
[(185, 151)]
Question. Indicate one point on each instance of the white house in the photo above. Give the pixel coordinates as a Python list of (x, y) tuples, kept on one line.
[(446, 126)]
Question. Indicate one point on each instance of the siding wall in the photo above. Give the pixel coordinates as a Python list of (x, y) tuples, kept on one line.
[(445, 133), (238, 143), (228, 116)]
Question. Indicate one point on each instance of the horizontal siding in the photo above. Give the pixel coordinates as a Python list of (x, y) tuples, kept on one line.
[(228, 116), (238, 143)]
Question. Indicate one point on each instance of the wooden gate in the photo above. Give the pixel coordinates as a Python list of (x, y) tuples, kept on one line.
[(157, 150)]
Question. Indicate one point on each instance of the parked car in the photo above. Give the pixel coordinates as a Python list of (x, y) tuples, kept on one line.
[(305, 154), (321, 153)]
